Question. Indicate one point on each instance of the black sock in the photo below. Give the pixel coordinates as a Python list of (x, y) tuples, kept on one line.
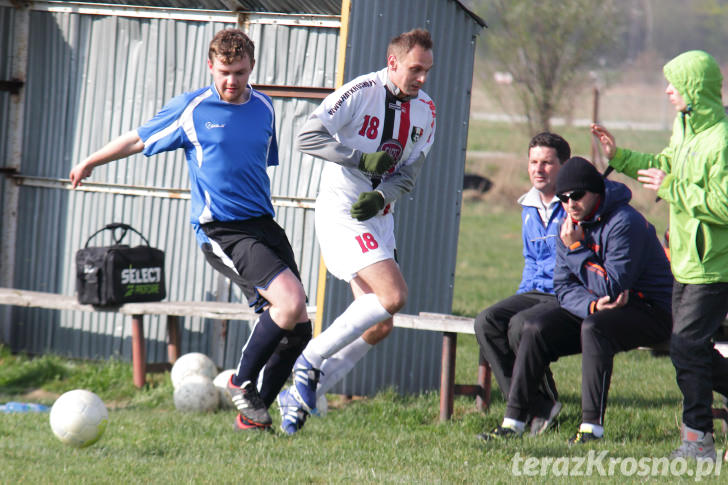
[(279, 366), (259, 347)]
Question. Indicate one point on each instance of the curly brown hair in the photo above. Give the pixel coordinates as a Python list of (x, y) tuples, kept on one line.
[(231, 44)]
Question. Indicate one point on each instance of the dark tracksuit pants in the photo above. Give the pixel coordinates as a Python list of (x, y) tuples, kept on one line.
[(498, 332), (698, 312), (598, 337)]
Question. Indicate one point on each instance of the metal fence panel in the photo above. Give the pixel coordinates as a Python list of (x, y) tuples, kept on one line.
[(94, 77)]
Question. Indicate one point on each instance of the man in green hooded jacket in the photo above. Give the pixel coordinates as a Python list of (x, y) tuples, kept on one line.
[(691, 174)]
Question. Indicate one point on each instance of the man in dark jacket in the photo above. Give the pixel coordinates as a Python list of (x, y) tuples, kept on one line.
[(614, 285), (498, 327)]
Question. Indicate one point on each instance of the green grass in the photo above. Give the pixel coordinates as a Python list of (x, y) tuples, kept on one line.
[(385, 439), (489, 262), (513, 138)]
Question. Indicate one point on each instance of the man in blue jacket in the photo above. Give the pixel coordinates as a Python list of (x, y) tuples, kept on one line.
[(498, 327), (614, 285)]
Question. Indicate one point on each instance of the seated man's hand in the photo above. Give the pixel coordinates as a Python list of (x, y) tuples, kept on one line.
[(367, 206), (377, 162), (570, 232), (606, 303)]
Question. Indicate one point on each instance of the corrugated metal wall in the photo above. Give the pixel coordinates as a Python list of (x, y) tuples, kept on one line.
[(7, 46), (91, 78), (427, 221)]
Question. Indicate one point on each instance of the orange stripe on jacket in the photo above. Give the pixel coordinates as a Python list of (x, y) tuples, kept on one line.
[(597, 269)]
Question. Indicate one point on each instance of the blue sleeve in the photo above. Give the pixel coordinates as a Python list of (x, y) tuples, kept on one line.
[(273, 148), (165, 132), (529, 258)]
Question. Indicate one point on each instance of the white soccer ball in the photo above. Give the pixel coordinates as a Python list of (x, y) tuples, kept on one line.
[(196, 394), (78, 418), (194, 363), (226, 400)]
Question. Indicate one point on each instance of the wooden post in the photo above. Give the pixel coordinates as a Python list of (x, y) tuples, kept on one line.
[(482, 403), (447, 376), (596, 155), (138, 350), (173, 338)]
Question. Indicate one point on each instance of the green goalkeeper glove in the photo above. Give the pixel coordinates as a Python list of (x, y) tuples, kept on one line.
[(377, 162), (367, 206)]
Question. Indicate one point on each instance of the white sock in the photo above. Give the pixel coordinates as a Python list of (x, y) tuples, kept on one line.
[(594, 429), (338, 365), (515, 424), (364, 312)]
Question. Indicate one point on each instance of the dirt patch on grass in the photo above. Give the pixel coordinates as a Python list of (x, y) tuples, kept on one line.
[(40, 395)]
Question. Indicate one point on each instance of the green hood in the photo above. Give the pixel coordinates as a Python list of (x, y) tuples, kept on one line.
[(696, 167), (697, 77)]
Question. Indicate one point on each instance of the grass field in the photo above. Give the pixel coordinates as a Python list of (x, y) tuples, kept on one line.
[(385, 439)]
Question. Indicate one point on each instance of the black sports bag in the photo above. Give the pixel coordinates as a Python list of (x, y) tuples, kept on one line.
[(112, 275)]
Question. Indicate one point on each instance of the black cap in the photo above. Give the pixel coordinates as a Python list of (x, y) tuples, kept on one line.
[(579, 174)]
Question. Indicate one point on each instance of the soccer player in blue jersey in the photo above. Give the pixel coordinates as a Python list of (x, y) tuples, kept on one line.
[(227, 130)]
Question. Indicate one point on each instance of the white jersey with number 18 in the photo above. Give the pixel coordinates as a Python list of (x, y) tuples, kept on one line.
[(364, 115)]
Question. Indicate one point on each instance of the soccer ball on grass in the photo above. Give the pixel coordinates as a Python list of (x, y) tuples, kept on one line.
[(197, 394), (193, 363), (78, 418)]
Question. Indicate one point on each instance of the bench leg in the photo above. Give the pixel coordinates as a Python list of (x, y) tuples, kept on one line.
[(447, 375), (173, 338), (484, 380), (138, 350)]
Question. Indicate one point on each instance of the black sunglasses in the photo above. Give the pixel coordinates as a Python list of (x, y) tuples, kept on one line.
[(574, 195)]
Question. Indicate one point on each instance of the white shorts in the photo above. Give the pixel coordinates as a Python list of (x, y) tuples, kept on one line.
[(348, 245)]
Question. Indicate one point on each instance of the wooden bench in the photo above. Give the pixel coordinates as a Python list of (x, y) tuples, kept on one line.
[(173, 310), (449, 325)]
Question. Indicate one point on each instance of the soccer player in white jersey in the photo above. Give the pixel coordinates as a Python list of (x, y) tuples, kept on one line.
[(374, 133), (227, 130)]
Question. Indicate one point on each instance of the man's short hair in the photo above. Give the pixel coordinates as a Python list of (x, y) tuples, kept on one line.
[(552, 140), (230, 45), (405, 42)]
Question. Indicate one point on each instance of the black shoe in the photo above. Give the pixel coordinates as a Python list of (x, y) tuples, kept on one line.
[(499, 433), (252, 409), (582, 437), (540, 425)]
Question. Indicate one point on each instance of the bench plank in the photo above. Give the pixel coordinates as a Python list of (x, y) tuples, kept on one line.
[(435, 322), (449, 325), (204, 309)]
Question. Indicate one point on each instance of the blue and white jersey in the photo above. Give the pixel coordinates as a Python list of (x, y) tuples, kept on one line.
[(228, 148)]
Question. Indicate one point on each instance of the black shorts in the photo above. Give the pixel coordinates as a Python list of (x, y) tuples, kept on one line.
[(251, 253)]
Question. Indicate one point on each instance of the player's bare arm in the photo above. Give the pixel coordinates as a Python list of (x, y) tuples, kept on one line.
[(123, 146)]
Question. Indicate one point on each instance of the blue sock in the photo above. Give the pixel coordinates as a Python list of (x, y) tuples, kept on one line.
[(260, 345)]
